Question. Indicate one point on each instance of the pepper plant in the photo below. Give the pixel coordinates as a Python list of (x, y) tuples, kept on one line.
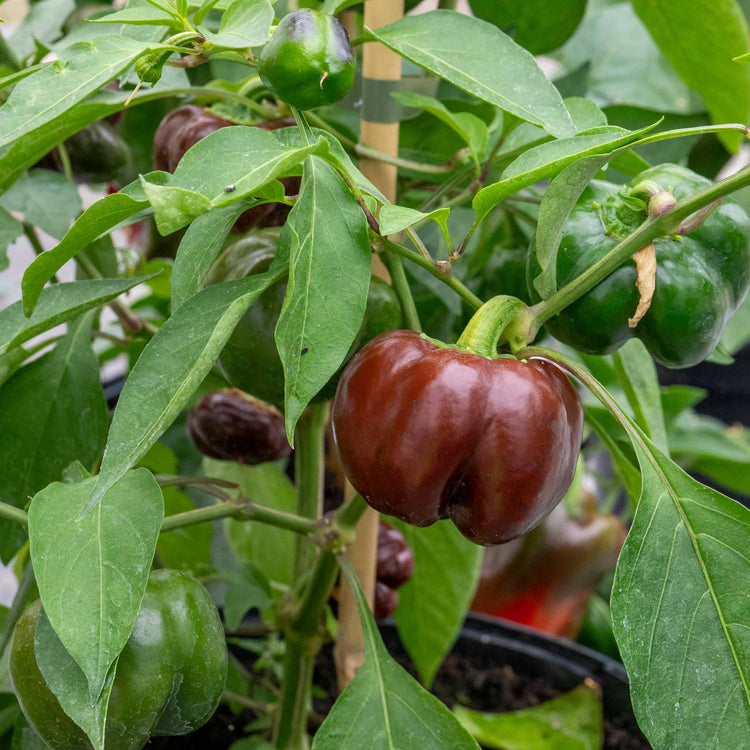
[(535, 233)]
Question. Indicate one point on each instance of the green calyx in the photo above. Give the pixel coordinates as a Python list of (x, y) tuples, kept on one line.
[(502, 320), (309, 61)]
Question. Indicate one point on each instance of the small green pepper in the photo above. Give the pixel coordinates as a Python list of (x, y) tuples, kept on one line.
[(701, 278), (309, 61), (250, 360), (169, 676)]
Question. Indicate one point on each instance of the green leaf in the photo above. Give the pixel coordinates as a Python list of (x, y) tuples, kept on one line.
[(57, 304), (434, 603), (45, 199), (82, 69), (199, 248), (69, 684), (394, 219), (700, 39), (95, 221), (571, 722), (248, 589), (43, 23), (329, 276), (52, 412), (246, 157), (548, 160), (147, 15), (469, 127), (174, 207), (504, 74), (623, 62), (559, 199), (679, 600), (171, 367), (245, 23), (92, 568), (637, 375), (384, 707), (269, 549), (540, 25)]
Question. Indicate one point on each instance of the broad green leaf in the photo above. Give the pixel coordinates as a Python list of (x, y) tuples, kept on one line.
[(43, 23), (95, 221), (92, 568), (199, 248), (637, 375), (394, 219), (28, 148), (700, 39), (548, 160), (171, 367), (45, 199), (559, 199), (737, 333), (57, 304), (81, 70), (148, 15), (245, 23), (384, 707), (52, 412), (539, 25), (623, 63), (504, 74), (269, 549), (434, 603), (174, 207), (571, 722), (69, 684), (680, 609), (471, 129), (248, 589), (246, 158), (329, 276)]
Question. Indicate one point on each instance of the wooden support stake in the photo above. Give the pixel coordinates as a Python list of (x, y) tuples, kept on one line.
[(379, 65)]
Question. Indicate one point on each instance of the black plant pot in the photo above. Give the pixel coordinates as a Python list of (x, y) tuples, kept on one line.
[(543, 659)]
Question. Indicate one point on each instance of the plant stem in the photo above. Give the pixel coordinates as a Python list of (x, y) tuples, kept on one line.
[(309, 457), (437, 271), (400, 283), (177, 480), (257, 706), (650, 230), (291, 720), (241, 509), (12, 513)]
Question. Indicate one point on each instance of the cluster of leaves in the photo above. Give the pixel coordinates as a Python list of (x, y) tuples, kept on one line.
[(479, 134)]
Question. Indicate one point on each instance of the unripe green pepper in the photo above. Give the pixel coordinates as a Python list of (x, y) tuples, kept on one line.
[(309, 61), (169, 676), (701, 278), (250, 361)]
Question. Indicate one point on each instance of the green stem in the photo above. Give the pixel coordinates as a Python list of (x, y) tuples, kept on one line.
[(436, 270), (11, 513), (652, 229), (178, 480), (483, 333), (62, 151), (241, 509), (400, 283), (347, 515), (291, 722), (307, 621), (303, 125), (309, 457)]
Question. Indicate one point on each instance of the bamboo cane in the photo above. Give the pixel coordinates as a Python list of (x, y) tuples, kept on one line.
[(379, 64)]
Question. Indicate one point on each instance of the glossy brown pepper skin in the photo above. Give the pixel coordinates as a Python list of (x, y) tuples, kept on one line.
[(426, 433), (182, 128), (395, 560), (232, 426)]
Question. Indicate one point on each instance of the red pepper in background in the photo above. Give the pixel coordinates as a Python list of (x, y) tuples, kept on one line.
[(545, 579)]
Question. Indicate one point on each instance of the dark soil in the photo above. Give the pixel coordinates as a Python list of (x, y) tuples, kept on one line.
[(462, 679)]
